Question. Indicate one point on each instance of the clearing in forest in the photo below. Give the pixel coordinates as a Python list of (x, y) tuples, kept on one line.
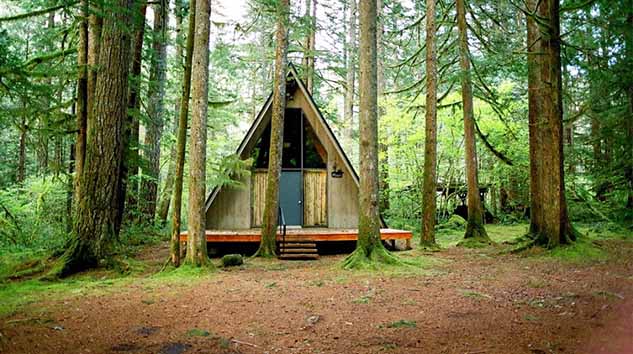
[(577, 299)]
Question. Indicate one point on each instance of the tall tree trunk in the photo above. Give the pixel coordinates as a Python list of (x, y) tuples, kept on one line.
[(95, 24), (552, 227), (305, 61), (130, 153), (168, 189), (81, 111), (429, 193), (568, 135), (596, 142), (181, 139), (534, 104), (369, 215), (474, 227), (310, 46), (271, 206), (21, 174), (155, 111), (197, 242), (43, 135), (382, 145), (134, 112), (369, 247), (629, 120), (494, 202), (94, 228), (69, 190), (350, 78)]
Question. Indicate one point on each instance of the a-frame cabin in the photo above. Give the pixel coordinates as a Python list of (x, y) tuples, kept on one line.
[(318, 191)]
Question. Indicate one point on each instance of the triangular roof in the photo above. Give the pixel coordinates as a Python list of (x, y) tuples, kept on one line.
[(259, 120)]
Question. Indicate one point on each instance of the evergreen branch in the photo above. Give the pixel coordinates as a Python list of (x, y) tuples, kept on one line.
[(576, 7), (501, 156), (49, 56), (37, 12)]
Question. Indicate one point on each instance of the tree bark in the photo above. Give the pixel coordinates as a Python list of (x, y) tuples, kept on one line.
[(42, 133), (534, 104), (369, 247), (130, 136), (629, 120), (94, 228), (369, 215), (58, 164), (95, 24), (350, 78), (552, 226), (168, 189), (474, 227), (271, 206), (155, 111), (429, 194), (382, 145), (310, 45), (21, 173), (181, 139), (82, 91), (134, 112), (197, 241)]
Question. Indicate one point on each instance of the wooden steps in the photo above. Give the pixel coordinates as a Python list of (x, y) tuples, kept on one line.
[(298, 250)]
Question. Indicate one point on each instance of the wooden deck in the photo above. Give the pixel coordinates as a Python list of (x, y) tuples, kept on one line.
[(299, 234)]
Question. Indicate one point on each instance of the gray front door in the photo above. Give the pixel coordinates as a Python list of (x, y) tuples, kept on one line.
[(290, 197)]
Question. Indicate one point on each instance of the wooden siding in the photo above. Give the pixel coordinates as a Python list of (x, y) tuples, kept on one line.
[(258, 197), (315, 197), (227, 210)]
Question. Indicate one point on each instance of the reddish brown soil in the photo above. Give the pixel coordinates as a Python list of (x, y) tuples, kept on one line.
[(474, 302)]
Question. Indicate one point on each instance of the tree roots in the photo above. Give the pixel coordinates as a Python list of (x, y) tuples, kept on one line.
[(379, 255)]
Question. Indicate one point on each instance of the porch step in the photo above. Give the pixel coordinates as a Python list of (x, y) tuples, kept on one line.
[(292, 244), (298, 249), (299, 256)]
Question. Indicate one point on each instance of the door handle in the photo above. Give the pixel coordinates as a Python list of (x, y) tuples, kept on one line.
[(299, 202)]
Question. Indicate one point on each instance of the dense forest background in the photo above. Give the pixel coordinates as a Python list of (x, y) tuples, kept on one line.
[(38, 85)]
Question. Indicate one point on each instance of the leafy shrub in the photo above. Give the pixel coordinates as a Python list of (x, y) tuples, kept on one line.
[(33, 215)]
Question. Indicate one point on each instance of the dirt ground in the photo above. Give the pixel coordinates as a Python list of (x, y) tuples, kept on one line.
[(464, 301)]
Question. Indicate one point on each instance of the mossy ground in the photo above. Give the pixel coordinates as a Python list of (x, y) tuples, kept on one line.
[(20, 285)]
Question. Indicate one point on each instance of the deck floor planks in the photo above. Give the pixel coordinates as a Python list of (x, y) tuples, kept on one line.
[(298, 234)]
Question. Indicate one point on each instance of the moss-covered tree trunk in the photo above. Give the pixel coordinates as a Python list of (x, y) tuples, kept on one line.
[(369, 215), (168, 189), (350, 76), (271, 203), (94, 228), (155, 112), (181, 140), (475, 226), (197, 241), (21, 172), (629, 119), (81, 105), (369, 247), (383, 147), (130, 159), (550, 223), (427, 235)]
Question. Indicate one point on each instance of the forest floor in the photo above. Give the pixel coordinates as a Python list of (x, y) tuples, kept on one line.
[(575, 300)]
